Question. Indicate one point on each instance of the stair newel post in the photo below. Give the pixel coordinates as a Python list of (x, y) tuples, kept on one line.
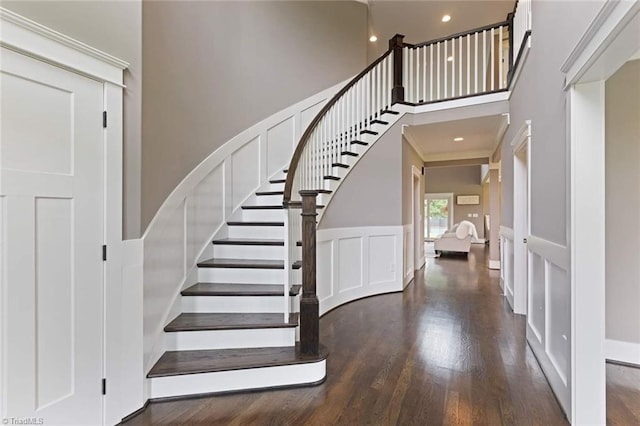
[(397, 44), (309, 309)]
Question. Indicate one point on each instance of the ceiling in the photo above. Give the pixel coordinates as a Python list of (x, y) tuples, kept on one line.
[(434, 142), (421, 20)]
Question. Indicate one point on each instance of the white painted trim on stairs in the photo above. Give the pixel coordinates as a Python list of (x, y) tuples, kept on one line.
[(626, 352), (175, 241), (226, 381)]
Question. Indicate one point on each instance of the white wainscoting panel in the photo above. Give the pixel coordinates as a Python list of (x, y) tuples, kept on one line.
[(181, 231), (353, 263), (549, 313)]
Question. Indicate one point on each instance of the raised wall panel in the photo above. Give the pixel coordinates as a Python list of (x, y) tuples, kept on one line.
[(205, 212), (324, 270), (54, 292), (33, 112), (382, 258), (536, 314), (245, 171), (559, 320), (349, 264), (280, 139)]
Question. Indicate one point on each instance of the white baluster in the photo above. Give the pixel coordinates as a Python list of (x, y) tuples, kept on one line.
[(424, 73), (446, 61), (460, 66), (453, 67), (493, 59), (484, 60), (438, 74), (468, 64), (475, 63), (431, 72)]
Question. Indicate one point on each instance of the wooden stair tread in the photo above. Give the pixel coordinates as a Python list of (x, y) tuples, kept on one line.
[(175, 363), (263, 207), (248, 242), (254, 223), (390, 111), (332, 177), (351, 153), (233, 321), (260, 193), (277, 181), (358, 142), (368, 132), (344, 166), (242, 263), (221, 289), (376, 121)]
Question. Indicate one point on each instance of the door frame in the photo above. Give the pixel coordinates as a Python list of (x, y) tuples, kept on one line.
[(417, 212), (436, 195), (37, 41), (521, 145), (607, 44)]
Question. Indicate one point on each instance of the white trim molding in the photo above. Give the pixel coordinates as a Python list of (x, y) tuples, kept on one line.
[(37, 41), (624, 352), (607, 43)]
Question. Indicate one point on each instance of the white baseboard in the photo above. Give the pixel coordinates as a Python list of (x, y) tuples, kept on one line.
[(494, 264), (479, 241), (627, 352)]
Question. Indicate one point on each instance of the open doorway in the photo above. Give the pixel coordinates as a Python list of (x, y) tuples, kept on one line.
[(417, 215), (438, 209)]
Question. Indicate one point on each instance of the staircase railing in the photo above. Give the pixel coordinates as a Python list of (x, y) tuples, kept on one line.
[(472, 63)]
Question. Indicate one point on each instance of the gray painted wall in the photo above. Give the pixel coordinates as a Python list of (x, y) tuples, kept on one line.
[(622, 177), (213, 69), (116, 28), (462, 180), (539, 97), (372, 193)]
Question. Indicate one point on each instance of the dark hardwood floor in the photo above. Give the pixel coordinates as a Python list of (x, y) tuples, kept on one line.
[(446, 351)]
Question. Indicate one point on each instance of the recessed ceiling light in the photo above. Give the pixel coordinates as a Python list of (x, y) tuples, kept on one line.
[(450, 59), (458, 139), (446, 18), (373, 39)]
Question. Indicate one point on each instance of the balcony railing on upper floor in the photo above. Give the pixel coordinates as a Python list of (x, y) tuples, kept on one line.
[(476, 62)]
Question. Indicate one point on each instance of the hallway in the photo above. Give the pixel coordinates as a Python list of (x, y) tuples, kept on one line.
[(446, 351)]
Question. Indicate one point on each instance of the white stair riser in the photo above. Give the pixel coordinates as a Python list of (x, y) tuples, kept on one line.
[(231, 304), (231, 339), (225, 381), (224, 251), (275, 232), (268, 200), (276, 187), (263, 215), (241, 275)]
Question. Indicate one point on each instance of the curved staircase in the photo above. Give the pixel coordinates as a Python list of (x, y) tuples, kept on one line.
[(231, 333)]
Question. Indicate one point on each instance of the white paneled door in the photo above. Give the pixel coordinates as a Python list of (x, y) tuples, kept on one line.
[(52, 206)]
